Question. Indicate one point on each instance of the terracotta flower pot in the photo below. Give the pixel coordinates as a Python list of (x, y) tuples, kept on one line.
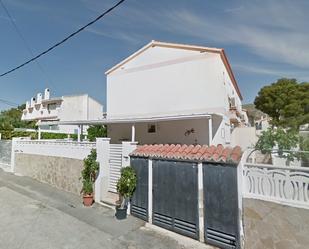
[(88, 200)]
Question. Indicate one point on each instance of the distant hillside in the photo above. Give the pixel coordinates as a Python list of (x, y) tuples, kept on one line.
[(253, 113)]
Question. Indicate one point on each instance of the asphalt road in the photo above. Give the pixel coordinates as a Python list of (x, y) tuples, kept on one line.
[(36, 215)]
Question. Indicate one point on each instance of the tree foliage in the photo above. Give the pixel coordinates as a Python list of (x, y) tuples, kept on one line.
[(10, 119), (95, 131), (286, 102), (287, 143), (284, 141)]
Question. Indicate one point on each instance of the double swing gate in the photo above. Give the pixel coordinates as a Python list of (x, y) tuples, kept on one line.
[(175, 199)]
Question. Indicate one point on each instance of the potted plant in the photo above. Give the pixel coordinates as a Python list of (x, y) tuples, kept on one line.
[(125, 187), (89, 175)]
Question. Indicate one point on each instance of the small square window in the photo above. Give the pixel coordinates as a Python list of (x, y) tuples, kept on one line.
[(152, 128)]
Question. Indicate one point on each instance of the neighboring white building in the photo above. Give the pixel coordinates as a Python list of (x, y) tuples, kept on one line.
[(47, 110), (173, 93), (262, 124)]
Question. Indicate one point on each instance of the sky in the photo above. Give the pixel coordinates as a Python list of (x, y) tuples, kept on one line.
[(264, 40)]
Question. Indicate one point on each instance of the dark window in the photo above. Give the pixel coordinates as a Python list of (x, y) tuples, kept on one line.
[(151, 128)]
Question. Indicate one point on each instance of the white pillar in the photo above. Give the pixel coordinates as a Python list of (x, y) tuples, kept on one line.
[(78, 133), (201, 202), (210, 130), (241, 188), (133, 133), (0, 136), (127, 149), (101, 183), (39, 133), (13, 154), (150, 191)]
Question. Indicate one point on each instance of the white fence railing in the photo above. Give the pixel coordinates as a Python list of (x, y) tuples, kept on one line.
[(59, 148), (282, 184)]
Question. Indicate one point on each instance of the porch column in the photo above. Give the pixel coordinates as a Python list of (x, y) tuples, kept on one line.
[(78, 133), (133, 133), (210, 130)]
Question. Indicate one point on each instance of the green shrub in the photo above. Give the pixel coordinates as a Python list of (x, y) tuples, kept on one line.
[(47, 135), (89, 172), (127, 182), (87, 187)]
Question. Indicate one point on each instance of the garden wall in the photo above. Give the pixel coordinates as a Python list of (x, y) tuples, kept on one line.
[(60, 172)]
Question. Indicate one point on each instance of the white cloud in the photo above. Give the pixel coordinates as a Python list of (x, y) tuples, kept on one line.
[(234, 9), (118, 35), (275, 30), (301, 75), (279, 41)]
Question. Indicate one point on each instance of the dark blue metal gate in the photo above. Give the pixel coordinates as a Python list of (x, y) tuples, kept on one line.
[(221, 205), (175, 196), (139, 201)]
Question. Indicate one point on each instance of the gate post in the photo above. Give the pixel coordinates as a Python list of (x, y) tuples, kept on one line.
[(241, 187), (101, 183), (13, 150), (150, 190), (201, 202), (127, 149)]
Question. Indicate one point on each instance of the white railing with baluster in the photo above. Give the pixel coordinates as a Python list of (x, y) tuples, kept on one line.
[(282, 184), (59, 148)]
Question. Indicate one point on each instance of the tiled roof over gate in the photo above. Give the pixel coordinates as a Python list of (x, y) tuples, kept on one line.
[(212, 153)]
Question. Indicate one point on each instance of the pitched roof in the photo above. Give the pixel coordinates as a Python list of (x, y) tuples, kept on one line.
[(212, 153), (186, 47)]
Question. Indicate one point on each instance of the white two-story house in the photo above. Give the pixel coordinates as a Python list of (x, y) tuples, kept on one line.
[(47, 111), (173, 93)]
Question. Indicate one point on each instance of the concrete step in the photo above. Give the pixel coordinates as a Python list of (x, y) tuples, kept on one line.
[(111, 199)]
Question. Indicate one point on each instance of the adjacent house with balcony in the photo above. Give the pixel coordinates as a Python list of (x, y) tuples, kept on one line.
[(47, 110)]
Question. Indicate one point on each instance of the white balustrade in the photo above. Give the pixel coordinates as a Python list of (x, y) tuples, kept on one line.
[(282, 184)]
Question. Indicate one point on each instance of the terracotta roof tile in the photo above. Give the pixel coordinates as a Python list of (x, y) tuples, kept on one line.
[(213, 153)]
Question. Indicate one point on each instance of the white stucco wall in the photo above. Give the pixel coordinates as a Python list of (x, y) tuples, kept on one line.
[(73, 108), (163, 81), (95, 109), (221, 130), (245, 137)]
